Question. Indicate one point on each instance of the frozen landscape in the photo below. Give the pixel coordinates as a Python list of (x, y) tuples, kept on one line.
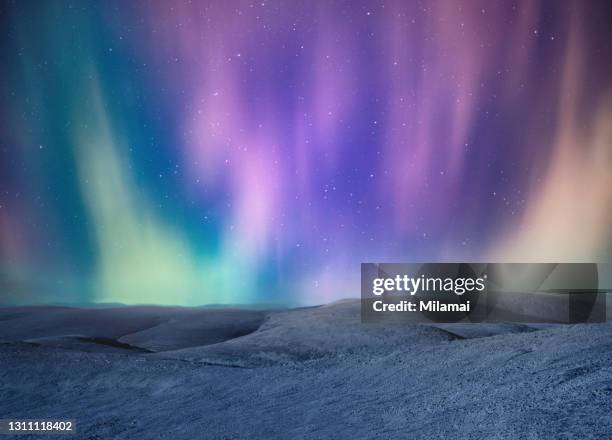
[(147, 372)]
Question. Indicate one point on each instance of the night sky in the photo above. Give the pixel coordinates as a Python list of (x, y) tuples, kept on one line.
[(257, 152)]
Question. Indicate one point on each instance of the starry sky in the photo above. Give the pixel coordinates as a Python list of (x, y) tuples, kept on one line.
[(240, 152)]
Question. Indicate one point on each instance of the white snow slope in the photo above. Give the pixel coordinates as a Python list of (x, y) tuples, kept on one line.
[(313, 373)]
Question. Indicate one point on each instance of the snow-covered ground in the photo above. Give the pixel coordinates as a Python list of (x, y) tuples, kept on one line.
[(315, 373)]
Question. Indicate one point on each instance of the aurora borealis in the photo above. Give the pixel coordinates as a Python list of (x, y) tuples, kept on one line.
[(195, 152)]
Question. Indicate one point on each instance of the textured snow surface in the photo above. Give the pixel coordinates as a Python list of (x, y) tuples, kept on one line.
[(314, 373)]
